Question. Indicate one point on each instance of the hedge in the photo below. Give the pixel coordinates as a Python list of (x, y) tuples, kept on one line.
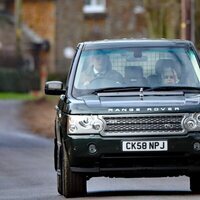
[(12, 80), (57, 77)]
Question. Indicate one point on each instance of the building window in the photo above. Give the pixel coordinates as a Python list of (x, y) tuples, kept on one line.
[(94, 6)]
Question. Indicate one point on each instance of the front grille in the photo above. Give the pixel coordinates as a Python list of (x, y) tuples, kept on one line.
[(140, 125)]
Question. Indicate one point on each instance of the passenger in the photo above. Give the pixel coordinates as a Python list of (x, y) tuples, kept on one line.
[(169, 75), (101, 69)]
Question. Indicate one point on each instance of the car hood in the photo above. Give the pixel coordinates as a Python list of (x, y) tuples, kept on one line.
[(95, 104)]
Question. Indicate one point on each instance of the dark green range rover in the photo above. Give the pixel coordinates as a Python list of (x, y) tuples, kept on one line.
[(130, 108)]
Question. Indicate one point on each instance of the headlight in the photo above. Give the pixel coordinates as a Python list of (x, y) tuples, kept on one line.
[(192, 122), (85, 124), (198, 117)]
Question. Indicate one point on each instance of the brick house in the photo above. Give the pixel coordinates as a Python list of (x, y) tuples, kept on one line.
[(38, 19), (65, 23), (96, 19)]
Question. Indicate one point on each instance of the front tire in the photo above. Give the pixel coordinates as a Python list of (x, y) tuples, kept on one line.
[(195, 184), (59, 184), (59, 177), (73, 184)]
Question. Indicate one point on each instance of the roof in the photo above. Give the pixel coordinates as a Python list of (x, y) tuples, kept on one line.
[(134, 42), (31, 35)]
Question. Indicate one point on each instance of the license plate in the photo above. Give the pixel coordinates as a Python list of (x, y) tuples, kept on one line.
[(144, 146)]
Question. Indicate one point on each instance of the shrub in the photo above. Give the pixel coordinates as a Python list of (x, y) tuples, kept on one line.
[(58, 77), (13, 80)]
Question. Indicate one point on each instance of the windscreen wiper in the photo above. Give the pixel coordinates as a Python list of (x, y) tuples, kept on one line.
[(120, 89), (173, 88)]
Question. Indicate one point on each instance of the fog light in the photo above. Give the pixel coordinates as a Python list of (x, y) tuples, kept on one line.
[(92, 148), (196, 146)]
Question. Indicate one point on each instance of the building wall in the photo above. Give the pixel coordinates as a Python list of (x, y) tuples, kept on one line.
[(73, 26), (64, 24), (122, 22), (40, 16), (7, 38), (69, 29), (7, 43)]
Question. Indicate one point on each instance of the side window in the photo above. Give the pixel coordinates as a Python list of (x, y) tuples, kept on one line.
[(94, 6)]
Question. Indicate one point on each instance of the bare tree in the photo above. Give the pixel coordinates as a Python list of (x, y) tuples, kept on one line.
[(18, 24), (163, 18)]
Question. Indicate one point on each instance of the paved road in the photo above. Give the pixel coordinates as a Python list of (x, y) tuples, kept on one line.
[(26, 169)]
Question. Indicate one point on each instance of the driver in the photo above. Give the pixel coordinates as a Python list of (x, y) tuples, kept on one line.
[(101, 69)]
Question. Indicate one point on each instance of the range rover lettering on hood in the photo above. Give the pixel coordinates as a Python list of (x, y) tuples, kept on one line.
[(148, 109)]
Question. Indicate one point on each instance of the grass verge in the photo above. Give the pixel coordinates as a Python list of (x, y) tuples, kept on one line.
[(18, 96)]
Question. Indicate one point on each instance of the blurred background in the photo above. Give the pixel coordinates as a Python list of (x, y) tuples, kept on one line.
[(38, 37)]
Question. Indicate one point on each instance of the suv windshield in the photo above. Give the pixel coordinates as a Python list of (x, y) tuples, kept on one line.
[(135, 67)]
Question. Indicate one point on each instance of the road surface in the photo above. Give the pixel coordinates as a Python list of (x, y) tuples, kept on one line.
[(27, 173)]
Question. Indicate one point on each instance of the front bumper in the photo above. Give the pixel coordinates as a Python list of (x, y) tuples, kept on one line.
[(109, 160)]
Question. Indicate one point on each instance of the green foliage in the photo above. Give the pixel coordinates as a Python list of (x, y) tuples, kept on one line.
[(13, 80), (57, 77), (17, 96)]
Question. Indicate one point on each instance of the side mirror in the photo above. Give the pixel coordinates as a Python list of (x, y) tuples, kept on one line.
[(54, 88)]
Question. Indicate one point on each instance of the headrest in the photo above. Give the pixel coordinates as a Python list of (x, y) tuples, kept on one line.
[(133, 72)]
